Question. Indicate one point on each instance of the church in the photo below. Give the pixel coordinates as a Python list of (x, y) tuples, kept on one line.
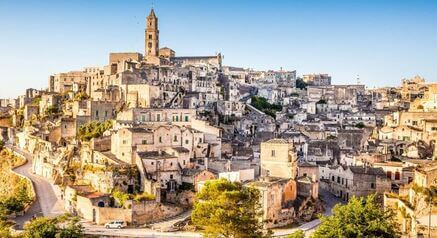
[(153, 55)]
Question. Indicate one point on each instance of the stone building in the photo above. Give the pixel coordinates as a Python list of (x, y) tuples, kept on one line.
[(49, 100), (347, 181), (29, 111), (278, 159), (63, 82), (317, 79), (412, 211), (277, 197)]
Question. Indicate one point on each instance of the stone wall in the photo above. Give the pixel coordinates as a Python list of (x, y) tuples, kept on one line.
[(138, 213)]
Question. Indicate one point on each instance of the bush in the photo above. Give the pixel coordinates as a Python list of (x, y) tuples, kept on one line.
[(121, 197), (81, 96), (360, 125), (186, 186), (322, 101), (62, 226), (301, 84), (144, 197), (93, 130), (52, 110), (263, 105), (297, 234), (14, 191)]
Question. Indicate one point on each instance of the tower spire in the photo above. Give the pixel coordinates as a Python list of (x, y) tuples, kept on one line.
[(152, 35)]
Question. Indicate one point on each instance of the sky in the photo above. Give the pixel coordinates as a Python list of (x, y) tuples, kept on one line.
[(379, 41)]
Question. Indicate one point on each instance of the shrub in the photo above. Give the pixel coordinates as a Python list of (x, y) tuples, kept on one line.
[(51, 110), (93, 130), (144, 197), (301, 84), (263, 105), (360, 125)]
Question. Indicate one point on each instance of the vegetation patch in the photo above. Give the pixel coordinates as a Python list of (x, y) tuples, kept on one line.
[(93, 129), (263, 105), (226, 209), (15, 192)]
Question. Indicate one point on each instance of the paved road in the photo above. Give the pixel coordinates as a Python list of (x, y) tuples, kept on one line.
[(308, 227), (168, 223), (50, 205), (135, 232), (47, 202)]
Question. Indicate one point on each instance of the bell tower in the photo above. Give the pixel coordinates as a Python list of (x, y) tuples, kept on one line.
[(152, 35)]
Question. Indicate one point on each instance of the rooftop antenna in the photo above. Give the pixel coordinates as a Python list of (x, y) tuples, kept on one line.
[(358, 79)]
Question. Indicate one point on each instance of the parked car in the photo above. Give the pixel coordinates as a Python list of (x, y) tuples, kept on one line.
[(115, 225)]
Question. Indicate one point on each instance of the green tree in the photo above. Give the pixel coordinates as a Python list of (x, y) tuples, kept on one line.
[(360, 125), (41, 227), (121, 197), (263, 105), (226, 209), (93, 130), (52, 110), (5, 225), (297, 234), (360, 217), (64, 226), (301, 84), (70, 227), (2, 144)]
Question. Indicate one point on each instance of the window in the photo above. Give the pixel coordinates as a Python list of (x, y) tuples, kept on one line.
[(106, 113), (333, 178), (186, 142), (124, 142), (389, 174), (397, 175), (152, 163), (372, 185), (144, 142), (158, 117), (186, 118), (122, 154), (160, 139), (273, 153), (338, 179), (175, 138), (171, 176), (150, 36), (97, 113), (200, 140)]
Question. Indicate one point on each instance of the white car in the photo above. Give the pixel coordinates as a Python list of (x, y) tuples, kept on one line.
[(115, 225)]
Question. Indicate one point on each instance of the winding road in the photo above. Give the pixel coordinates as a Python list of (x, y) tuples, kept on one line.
[(47, 203)]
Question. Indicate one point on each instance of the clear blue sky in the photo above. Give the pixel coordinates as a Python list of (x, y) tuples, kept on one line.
[(382, 41)]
